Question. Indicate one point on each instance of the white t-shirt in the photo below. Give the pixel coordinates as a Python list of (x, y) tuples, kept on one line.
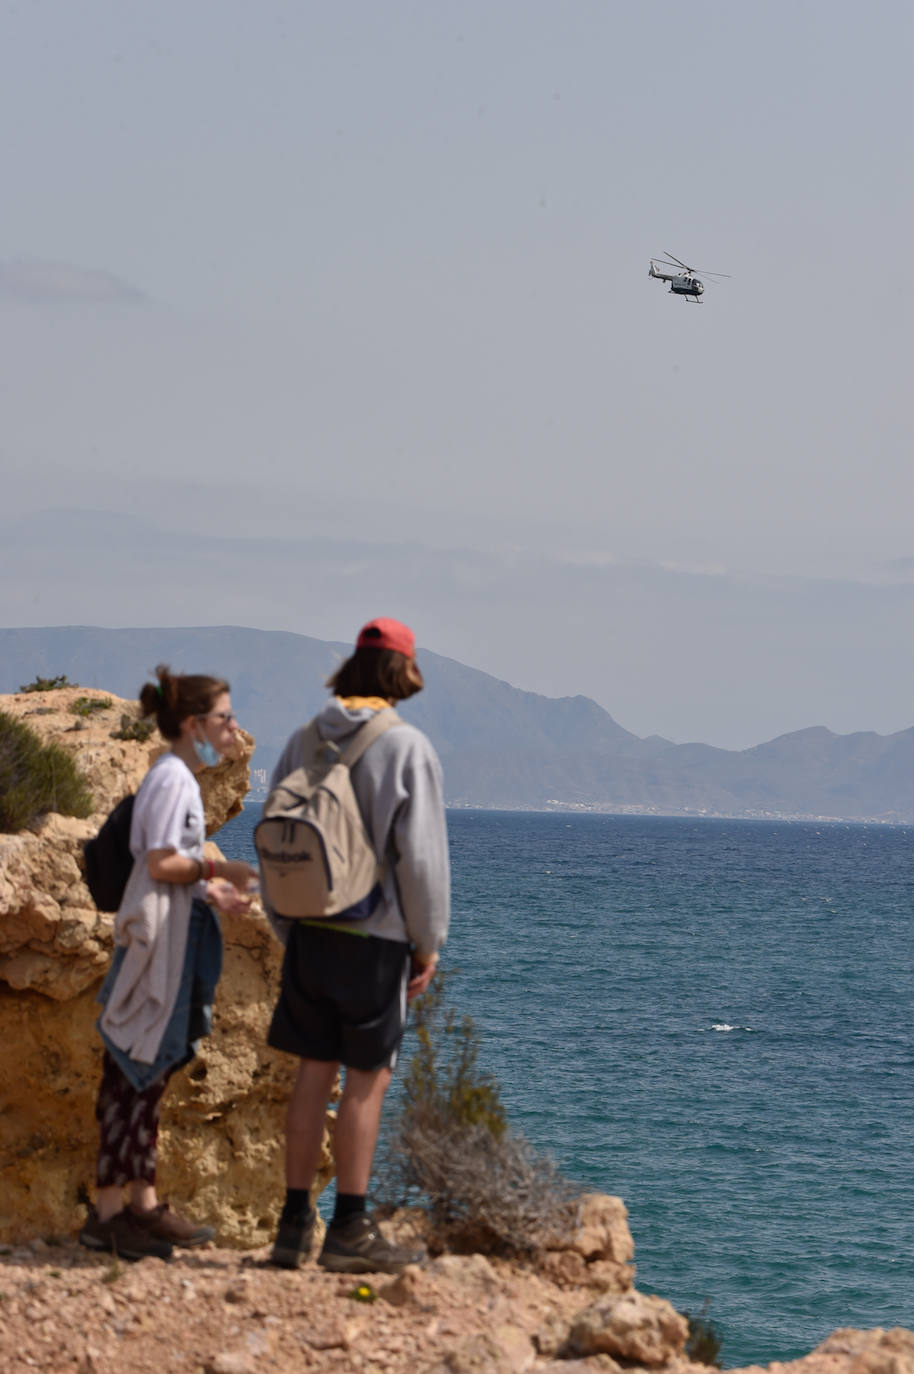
[(168, 812)]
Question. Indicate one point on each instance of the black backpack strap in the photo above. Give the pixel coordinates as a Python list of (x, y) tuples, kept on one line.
[(368, 733)]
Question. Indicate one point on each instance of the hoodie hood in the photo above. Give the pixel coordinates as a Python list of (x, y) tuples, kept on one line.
[(337, 721)]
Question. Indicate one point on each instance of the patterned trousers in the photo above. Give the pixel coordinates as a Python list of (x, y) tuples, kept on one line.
[(128, 1124)]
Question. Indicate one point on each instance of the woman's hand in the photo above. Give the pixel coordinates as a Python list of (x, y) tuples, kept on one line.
[(168, 866), (222, 893), (238, 873)]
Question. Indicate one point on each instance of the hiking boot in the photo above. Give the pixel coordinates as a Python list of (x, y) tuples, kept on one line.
[(356, 1246), (293, 1241), (123, 1236), (164, 1224)]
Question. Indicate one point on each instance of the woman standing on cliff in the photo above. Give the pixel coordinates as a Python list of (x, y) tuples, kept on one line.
[(167, 961)]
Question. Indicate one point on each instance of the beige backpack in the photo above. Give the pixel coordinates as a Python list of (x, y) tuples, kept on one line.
[(315, 855)]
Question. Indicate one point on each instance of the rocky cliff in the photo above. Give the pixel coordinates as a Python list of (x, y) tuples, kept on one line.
[(222, 1130)]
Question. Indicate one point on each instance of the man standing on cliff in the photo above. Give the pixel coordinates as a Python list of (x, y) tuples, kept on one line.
[(346, 980)]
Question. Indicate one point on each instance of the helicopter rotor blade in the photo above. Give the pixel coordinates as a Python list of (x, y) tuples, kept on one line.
[(706, 272), (677, 260)]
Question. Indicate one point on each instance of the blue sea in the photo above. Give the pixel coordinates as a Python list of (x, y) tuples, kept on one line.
[(713, 1020)]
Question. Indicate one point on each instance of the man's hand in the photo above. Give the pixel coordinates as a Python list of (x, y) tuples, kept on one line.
[(421, 974)]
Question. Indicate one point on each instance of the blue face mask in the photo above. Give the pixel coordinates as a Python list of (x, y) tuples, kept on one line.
[(207, 753)]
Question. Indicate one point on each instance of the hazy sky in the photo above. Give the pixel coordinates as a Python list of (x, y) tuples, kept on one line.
[(376, 272)]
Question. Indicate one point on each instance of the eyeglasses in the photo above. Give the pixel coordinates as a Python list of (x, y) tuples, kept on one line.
[(227, 717)]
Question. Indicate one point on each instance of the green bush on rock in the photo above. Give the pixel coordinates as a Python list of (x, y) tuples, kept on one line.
[(90, 706), (35, 778), (48, 684), (703, 1344), (131, 728)]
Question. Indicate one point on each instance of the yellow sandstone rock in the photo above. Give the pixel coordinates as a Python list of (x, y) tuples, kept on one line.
[(631, 1326), (222, 1121)]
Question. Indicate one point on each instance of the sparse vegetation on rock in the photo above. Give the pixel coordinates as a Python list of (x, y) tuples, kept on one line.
[(48, 684), (90, 706), (132, 728), (703, 1344)]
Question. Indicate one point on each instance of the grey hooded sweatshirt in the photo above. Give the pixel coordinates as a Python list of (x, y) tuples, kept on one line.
[(398, 785)]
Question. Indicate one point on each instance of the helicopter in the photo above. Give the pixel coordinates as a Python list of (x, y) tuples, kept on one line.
[(684, 282)]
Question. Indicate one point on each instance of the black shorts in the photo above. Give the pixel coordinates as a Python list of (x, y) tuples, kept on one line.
[(343, 998)]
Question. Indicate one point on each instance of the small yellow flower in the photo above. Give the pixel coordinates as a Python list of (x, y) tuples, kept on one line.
[(364, 1293)]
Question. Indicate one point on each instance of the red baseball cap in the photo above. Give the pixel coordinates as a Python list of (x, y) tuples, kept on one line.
[(387, 634)]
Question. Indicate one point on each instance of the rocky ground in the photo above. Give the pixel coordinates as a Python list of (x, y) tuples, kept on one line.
[(228, 1312), (218, 1311)]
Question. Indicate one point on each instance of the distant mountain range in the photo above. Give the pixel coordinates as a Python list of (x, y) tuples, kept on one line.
[(501, 747)]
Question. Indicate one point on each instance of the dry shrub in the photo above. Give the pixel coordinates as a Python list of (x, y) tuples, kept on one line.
[(485, 1188), (487, 1194)]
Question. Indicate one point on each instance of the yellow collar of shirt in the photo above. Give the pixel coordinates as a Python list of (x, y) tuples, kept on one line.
[(364, 703)]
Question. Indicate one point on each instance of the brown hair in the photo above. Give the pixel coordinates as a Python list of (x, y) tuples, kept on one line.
[(177, 696), (377, 673)]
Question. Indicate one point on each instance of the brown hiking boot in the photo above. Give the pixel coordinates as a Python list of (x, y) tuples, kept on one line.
[(293, 1241), (164, 1224), (123, 1236), (356, 1246)]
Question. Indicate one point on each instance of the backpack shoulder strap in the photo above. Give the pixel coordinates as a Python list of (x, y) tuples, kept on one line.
[(309, 748), (310, 739), (367, 734)]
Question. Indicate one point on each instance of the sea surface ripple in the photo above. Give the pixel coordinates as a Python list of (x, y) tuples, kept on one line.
[(711, 1019)]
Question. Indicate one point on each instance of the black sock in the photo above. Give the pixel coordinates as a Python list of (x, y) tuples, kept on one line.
[(347, 1205), (297, 1204)]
